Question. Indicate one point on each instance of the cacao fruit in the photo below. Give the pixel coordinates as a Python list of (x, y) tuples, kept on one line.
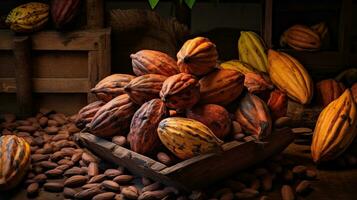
[(28, 17), (144, 88), (180, 91), (301, 38), (354, 92), (215, 117), (278, 104), (335, 128), (290, 76), (111, 86), (221, 86), (187, 138), (143, 136), (321, 29), (86, 114), (197, 56), (153, 62), (238, 66), (253, 116), (14, 161), (328, 90), (257, 82), (63, 12), (251, 48), (113, 118)]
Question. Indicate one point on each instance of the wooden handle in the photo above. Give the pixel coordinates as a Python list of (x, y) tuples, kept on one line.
[(23, 72)]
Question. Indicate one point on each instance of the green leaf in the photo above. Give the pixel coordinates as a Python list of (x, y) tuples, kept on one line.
[(190, 3), (153, 3)]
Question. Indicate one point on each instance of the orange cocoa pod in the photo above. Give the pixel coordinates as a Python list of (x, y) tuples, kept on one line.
[(328, 90), (278, 104)]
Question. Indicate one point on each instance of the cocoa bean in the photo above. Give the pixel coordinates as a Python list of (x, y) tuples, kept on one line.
[(151, 187), (104, 196), (9, 117), (282, 122), (82, 163), (64, 143), (65, 162), (63, 167), (287, 193), (30, 175), (26, 128), (122, 179), (23, 134), (33, 149), (130, 192), (85, 169), (51, 129), (76, 157), (38, 169), (164, 158), (288, 176), (46, 111), (58, 156), (52, 123), (87, 158), (88, 193), (30, 140), (227, 196), (43, 121), (267, 182), (111, 185), (145, 181), (48, 164), (311, 174), (119, 140), (235, 185), (53, 187), (39, 141), (90, 185), (251, 191), (29, 182), (60, 120), (264, 198), (299, 170), (40, 178), (73, 171), (148, 195), (59, 137), (32, 189), (47, 138), (69, 151), (69, 192), (72, 128), (275, 168), (119, 197), (39, 157), (303, 187), (301, 130), (93, 169), (23, 123), (112, 173), (97, 178), (75, 181), (53, 173)]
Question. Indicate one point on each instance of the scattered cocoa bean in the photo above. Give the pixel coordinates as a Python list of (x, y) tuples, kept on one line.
[(73, 171), (30, 175), (122, 179), (287, 193), (33, 149), (97, 178), (53, 187), (76, 157), (32, 189), (282, 122), (267, 182), (9, 117), (65, 161), (43, 121), (23, 134), (227, 196), (75, 181), (58, 156), (148, 195), (88, 193), (87, 158), (303, 187), (40, 178), (93, 169), (264, 198), (164, 158), (299, 170), (104, 196), (111, 185), (90, 185), (39, 157), (52, 123), (63, 167), (53, 173), (151, 187), (69, 192), (311, 174), (39, 141), (26, 128), (119, 197), (235, 185), (51, 129), (48, 164), (59, 137), (119, 140), (38, 169), (112, 173), (130, 192)]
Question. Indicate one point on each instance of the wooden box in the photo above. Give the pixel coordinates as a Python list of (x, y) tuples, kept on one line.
[(64, 68), (196, 172)]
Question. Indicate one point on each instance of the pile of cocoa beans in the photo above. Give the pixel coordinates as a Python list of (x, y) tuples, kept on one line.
[(60, 165)]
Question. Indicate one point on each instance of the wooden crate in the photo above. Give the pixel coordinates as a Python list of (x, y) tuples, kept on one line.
[(198, 171), (64, 67)]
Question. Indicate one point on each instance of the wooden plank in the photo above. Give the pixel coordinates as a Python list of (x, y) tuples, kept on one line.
[(49, 85), (95, 14), (345, 29), (104, 57), (92, 73), (267, 26), (7, 64), (53, 40), (23, 73)]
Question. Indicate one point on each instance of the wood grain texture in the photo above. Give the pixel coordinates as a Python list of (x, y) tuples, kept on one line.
[(95, 14)]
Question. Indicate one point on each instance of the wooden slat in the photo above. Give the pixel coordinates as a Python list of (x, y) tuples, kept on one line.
[(49, 85), (92, 73), (52, 40), (267, 27), (95, 14), (104, 59)]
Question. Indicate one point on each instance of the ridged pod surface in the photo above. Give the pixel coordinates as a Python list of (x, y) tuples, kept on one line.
[(221, 86), (28, 17), (215, 117), (238, 66), (290, 76), (254, 117), (257, 82), (63, 12), (144, 88), (187, 138), (328, 90), (14, 160), (153, 62), (111, 86), (114, 117), (197, 56), (354, 92), (180, 91), (251, 50), (86, 114), (335, 128), (143, 136), (278, 104), (301, 38), (321, 29)]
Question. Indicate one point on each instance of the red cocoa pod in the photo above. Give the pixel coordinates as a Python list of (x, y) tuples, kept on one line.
[(214, 116), (63, 12), (328, 90), (86, 114), (144, 88), (180, 91), (143, 136), (257, 82), (278, 104)]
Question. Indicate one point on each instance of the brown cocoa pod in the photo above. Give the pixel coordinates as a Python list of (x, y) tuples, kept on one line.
[(153, 62), (39, 157), (97, 179), (53, 187), (253, 115), (122, 179), (86, 114), (90, 185), (287, 193), (93, 169), (48, 164), (303, 187), (111, 185), (53, 173), (88, 193), (69, 192), (151, 187), (112, 173), (278, 104), (75, 181), (32, 189), (104, 196), (214, 116), (328, 90), (119, 140), (143, 137), (130, 192), (164, 158), (180, 91), (111, 87), (144, 88), (114, 117)]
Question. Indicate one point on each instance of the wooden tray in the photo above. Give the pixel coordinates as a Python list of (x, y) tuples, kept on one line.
[(196, 172)]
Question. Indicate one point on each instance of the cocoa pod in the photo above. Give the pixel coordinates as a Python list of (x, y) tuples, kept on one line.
[(111, 86), (75, 181), (328, 90), (257, 82), (114, 117), (64, 12), (144, 88), (214, 116), (86, 114), (354, 92), (180, 91), (143, 137), (53, 187), (278, 104)]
